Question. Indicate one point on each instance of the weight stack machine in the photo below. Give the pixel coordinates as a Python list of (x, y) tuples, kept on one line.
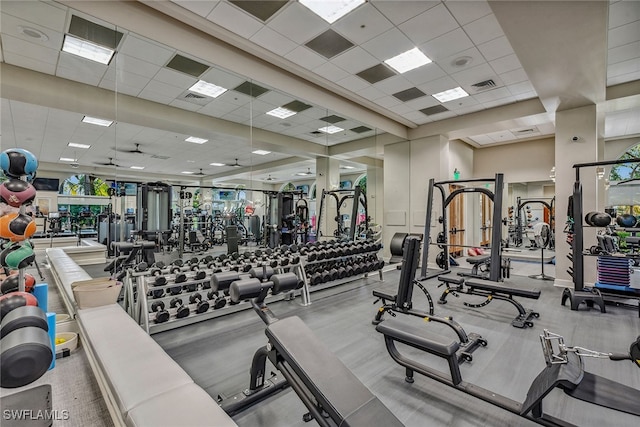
[(154, 207)]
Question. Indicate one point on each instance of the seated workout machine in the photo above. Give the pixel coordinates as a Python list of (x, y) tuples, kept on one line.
[(564, 370), (333, 395), (491, 290), (402, 303)]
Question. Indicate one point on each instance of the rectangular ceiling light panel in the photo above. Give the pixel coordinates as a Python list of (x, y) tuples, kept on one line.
[(137, 167), (408, 60), (87, 49), (67, 159), (217, 164), (76, 145), (331, 10), (281, 113), (196, 140), (450, 95), (207, 89), (261, 152), (96, 121), (330, 129)]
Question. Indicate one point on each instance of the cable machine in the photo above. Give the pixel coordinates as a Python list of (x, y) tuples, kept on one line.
[(495, 267), (282, 220), (341, 197), (550, 205)]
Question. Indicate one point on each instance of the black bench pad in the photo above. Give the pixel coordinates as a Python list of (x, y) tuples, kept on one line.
[(383, 295), (451, 279), (503, 288), (478, 259), (341, 393), (418, 337)]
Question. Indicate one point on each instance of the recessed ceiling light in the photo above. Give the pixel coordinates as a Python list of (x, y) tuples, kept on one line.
[(207, 89), (408, 60), (261, 152), (95, 121), (196, 140), (462, 61), (281, 113), (137, 167), (67, 159), (187, 172), (87, 49), (76, 145), (33, 33), (217, 164), (347, 167), (330, 129), (451, 94), (331, 11)]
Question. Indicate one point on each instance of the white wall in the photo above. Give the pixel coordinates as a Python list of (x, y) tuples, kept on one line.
[(520, 162)]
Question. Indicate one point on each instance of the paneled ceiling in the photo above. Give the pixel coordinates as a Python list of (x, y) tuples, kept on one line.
[(345, 61)]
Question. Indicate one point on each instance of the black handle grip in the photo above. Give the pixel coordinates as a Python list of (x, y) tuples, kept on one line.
[(619, 356)]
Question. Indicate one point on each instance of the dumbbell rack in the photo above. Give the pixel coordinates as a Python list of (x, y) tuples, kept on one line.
[(140, 308)]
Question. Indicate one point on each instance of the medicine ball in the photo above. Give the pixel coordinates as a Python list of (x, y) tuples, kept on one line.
[(17, 162), (626, 220), (10, 284), (11, 301), (17, 227), (598, 219), (16, 193), (588, 216), (16, 255)]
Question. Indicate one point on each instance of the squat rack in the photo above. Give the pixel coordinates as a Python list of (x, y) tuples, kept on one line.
[(522, 202), (496, 229), (341, 196)]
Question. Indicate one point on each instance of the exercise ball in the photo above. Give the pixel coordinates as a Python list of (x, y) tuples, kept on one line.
[(10, 284), (16, 193), (11, 301), (626, 220), (600, 219), (17, 227), (17, 162), (16, 255)]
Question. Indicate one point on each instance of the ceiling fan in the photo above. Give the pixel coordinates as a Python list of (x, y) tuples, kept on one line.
[(134, 151), (236, 164), (269, 178), (307, 173), (109, 163), (200, 173)]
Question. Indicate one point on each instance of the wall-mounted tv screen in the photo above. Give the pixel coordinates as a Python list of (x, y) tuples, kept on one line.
[(345, 185), (46, 184), (227, 195), (304, 188), (130, 189)]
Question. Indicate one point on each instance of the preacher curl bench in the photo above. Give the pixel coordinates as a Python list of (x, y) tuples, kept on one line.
[(333, 395)]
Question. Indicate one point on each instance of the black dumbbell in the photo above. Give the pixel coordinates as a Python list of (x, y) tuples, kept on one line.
[(181, 309), (316, 278), (326, 276), (158, 264), (342, 273), (159, 278), (218, 301), (161, 315), (334, 273), (201, 305)]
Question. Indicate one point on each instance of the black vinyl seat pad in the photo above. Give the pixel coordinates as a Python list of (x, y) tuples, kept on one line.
[(503, 288)]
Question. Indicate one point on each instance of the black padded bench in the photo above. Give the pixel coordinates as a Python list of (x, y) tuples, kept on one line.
[(307, 363), (493, 290)]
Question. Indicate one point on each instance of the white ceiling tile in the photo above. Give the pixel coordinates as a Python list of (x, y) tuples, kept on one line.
[(484, 29), (469, 109), (422, 102), (468, 11), (45, 14), (298, 23), (439, 85), (623, 12), (505, 64), (441, 116), (276, 98), (388, 45), (175, 78), (130, 79), (520, 88), (353, 83), (496, 48), (446, 45), (273, 41), (234, 19), (29, 63), (305, 57), (362, 24), (515, 76), (623, 53), (474, 75), (120, 88), (235, 98), (122, 62), (155, 96), (185, 105), (330, 72), (624, 34), (525, 95), (393, 84), (492, 95), (217, 109), (371, 93), (481, 139), (11, 25), (143, 49), (625, 67), (202, 8), (424, 74), (417, 117), (456, 104), (448, 64), (163, 88), (623, 78), (399, 11), (79, 69), (355, 60), (222, 78), (429, 25), (30, 50)]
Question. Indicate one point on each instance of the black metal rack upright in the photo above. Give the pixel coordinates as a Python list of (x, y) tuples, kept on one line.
[(496, 231), (341, 196)]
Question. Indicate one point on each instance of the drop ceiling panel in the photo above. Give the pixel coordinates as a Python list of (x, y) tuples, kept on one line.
[(468, 11), (222, 78), (273, 40), (234, 19), (422, 102), (353, 83), (362, 24), (446, 45), (29, 63), (163, 88), (276, 98), (467, 101), (11, 25), (298, 23), (184, 105), (371, 93), (121, 88), (492, 95), (355, 60), (330, 71), (202, 8), (44, 14), (388, 44), (484, 29), (130, 64), (429, 25), (438, 85), (520, 88), (623, 53), (175, 78), (622, 35), (305, 57), (473, 55), (153, 94), (496, 48), (409, 9), (79, 69), (473, 75), (622, 13), (505, 64), (515, 76), (146, 50), (424, 74)]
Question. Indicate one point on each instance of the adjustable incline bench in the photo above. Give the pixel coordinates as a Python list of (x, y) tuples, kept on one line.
[(491, 290), (333, 395)]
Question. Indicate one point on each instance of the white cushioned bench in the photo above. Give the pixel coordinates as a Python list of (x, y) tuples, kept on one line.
[(65, 271), (146, 386), (89, 252)]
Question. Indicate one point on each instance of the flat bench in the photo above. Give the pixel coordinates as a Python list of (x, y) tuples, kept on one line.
[(492, 290), (65, 271), (338, 391), (141, 384)]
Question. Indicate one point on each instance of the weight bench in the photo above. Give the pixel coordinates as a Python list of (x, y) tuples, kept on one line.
[(492, 290)]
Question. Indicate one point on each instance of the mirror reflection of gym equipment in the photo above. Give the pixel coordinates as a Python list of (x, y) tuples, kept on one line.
[(350, 218)]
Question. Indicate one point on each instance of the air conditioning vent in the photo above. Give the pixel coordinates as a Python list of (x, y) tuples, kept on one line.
[(484, 85), (155, 156), (525, 131), (194, 96)]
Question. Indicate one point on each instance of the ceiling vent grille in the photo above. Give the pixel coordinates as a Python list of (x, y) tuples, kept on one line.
[(525, 131), (194, 96), (155, 156), (484, 85)]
